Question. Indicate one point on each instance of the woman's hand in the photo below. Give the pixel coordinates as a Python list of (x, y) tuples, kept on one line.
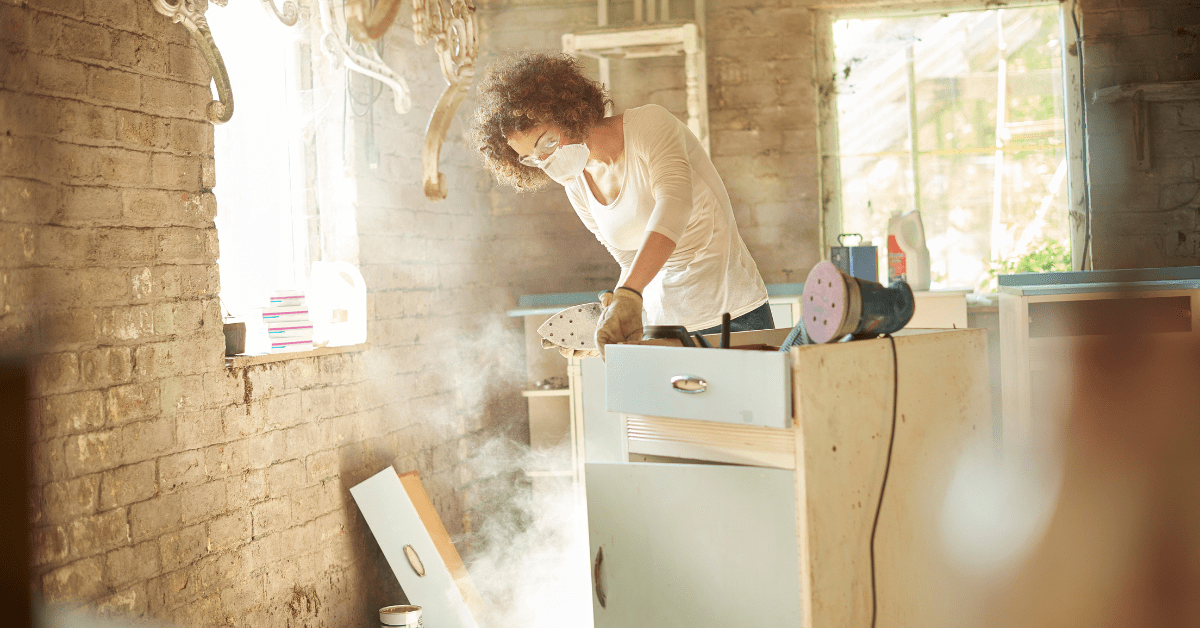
[(621, 320)]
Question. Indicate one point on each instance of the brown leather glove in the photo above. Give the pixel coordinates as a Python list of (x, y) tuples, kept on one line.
[(568, 352), (621, 320)]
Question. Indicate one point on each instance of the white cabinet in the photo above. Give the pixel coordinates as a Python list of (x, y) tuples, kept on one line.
[(687, 542), (661, 532)]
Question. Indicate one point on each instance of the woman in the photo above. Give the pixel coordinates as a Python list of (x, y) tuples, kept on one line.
[(640, 181)]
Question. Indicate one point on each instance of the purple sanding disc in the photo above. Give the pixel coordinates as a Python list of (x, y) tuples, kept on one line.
[(824, 302)]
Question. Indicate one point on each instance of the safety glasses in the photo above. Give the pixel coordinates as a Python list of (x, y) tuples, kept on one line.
[(545, 147)]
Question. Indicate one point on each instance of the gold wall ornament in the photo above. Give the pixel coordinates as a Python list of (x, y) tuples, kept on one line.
[(368, 63), (455, 39), (290, 14), (457, 45), (190, 13), (367, 24)]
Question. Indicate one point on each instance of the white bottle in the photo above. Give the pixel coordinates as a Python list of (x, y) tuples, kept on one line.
[(908, 257), (337, 304)]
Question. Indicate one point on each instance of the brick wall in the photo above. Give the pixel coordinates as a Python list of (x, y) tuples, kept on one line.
[(1143, 218), (165, 484)]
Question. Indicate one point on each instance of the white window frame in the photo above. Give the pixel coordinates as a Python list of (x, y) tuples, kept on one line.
[(830, 221)]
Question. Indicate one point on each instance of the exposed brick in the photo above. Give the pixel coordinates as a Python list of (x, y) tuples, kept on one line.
[(99, 533), (131, 402), (181, 394), (50, 545), (115, 246), (182, 245), (85, 40), (127, 323), (131, 602), (201, 503), (175, 172), (82, 579), (321, 465), (140, 130), (73, 413), (180, 471), (84, 205), (201, 428), (150, 519), (132, 563), (118, 14), (182, 547), (28, 201), (271, 516), (105, 366), (127, 485), (229, 531), (285, 478), (56, 372), (58, 76), (246, 488), (66, 500)]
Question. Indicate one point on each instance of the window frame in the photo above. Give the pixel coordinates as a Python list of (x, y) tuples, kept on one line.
[(830, 219)]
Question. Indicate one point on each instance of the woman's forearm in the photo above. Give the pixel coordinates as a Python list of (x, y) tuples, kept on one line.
[(655, 251)]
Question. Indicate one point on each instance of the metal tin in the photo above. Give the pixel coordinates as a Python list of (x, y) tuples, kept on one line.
[(861, 262), (401, 616)]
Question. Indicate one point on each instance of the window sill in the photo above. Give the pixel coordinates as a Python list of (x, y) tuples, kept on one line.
[(242, 361)]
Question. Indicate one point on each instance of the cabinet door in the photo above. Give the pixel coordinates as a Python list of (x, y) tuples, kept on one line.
[(603, 431), (692, 545)]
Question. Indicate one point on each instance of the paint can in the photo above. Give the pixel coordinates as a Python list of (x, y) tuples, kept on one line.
[(400, 616)]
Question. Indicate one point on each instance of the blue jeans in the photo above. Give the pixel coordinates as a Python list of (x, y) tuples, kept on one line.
[(758, 318)]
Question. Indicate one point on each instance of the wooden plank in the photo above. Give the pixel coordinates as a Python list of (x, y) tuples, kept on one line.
[(1172, 91), (706, 440), (401, 515), (843, 429)]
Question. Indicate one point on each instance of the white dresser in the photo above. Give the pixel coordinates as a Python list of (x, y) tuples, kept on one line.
[(752, 503)]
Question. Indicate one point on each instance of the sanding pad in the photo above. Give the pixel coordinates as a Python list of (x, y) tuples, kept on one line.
[(574, 327), (825, 303)]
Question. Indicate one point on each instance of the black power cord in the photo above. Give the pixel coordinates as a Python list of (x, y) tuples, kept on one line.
[(887, 467)]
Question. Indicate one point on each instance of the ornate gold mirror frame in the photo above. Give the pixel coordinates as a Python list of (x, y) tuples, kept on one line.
[(456, 42), (190, 13)]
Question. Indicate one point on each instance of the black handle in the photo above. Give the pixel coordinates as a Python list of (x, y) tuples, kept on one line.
[(725, 321), (598, 579), (860, 238)]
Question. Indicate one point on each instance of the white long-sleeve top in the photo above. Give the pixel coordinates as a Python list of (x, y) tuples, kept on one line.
[(672, 188)]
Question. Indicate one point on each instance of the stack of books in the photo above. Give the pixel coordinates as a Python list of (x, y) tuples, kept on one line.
[(288, 325)]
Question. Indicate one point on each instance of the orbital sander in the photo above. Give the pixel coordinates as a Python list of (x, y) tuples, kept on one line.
[(836, 305)]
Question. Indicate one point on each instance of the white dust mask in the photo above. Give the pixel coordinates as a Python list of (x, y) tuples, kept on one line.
[(566, 163)]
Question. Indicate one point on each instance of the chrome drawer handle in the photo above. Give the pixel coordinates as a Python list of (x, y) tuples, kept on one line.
[(689, 384)]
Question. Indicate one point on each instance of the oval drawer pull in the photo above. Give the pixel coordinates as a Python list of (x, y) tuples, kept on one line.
[(689, 384)]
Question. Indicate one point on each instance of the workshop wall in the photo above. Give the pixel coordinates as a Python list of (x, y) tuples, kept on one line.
[(1143, 217), (165, 484)]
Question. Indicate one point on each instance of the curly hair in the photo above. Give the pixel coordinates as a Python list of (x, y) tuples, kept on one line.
[(524, 90)]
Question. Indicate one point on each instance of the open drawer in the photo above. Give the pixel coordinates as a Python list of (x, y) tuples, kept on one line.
[(741, 387)]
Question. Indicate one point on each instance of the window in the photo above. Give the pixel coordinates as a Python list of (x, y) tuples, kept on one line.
[(960, 115), (271, 199)]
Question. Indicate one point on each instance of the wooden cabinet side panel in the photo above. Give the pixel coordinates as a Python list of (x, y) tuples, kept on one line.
[(845, 403)]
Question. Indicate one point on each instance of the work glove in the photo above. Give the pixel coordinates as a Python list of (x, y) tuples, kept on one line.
[(568, 352), (621, 320)]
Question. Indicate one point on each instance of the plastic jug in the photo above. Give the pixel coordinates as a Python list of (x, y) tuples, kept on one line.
[(908, 257), (337, 298)]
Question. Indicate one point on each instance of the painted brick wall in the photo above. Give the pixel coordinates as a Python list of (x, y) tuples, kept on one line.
[(164, 483), (762, 112), (1143, 218)]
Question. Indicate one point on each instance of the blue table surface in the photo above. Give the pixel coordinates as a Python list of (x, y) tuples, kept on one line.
[(1180, 278), (529, 304)]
